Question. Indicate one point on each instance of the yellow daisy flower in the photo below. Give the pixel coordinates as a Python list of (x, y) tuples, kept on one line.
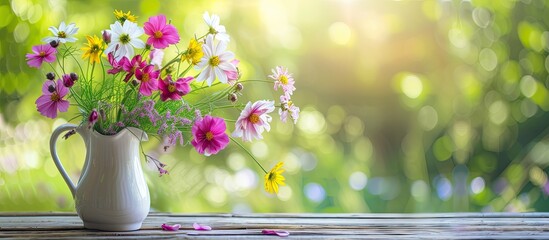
[(274, 178), (121, 16), (93, 49), (194, 52)]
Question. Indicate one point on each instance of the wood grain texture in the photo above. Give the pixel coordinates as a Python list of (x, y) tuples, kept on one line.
[(332, 226)]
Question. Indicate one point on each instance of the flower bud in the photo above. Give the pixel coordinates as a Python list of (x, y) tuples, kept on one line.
[(67, 80), (106, 36), (92, 118), (54, 43), (50, 76), (232, 97), (51, 88), (74, 76), (239, 87), (134, 82)]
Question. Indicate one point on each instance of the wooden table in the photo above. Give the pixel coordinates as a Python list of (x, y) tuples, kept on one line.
[(340, 226)]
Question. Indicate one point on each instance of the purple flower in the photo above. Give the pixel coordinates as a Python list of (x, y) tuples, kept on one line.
[(209, 135), (67, 80), (174, 90), (52, 99), (42, 53), (161, 35)]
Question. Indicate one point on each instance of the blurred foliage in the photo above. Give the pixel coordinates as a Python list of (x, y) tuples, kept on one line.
[(407, 106)]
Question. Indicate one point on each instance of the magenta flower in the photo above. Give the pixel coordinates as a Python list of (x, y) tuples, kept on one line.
[(42, 53), (174, 90), (253, 120), (130, 67), (287, 106), (283, 79), (116, 65), (92, 118), (52, 99), (167, 227), (149, 79), (209, 135), (160, 34)]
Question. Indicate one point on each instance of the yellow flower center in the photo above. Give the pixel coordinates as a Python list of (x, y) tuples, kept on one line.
[(209, 136), (158, 34), (254, 118), (145, 77), (61, 34), (124, 38), (284, 79), (55, 97), (42, 54), (171, 88), (214, 61)]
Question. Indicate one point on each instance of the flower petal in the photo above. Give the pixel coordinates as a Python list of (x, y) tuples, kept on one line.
[(279, 233), (167, 227), (200, 227)]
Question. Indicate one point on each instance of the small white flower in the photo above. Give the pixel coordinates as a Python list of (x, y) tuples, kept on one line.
[(62, 34), (214, 28), (124, 38), (215, 62)]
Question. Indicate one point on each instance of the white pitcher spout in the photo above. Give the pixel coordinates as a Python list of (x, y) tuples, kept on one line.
[(138, 133)]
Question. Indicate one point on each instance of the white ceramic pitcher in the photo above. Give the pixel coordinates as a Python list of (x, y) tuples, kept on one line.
[(112, 194)]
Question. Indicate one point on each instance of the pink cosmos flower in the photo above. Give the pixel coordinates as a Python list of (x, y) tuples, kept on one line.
[(174, 90), (149, 79), (130, 67), (42, 53), (160, 34), (287, 106), (52, 99), (232, 75), (253, 120), (116, 65), (283, 79), (279, 233), (209, 135)]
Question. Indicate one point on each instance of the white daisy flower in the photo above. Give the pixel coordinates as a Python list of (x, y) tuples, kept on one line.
[(215, 62), (214, 28), (124, 38), (62, 34)]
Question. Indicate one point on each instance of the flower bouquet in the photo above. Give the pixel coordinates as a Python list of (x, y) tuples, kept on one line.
[(121, 79)]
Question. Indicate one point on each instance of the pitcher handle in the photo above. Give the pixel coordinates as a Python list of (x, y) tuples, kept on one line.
[(53, 150)]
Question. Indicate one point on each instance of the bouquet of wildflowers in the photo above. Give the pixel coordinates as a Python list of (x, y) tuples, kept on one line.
[(121, 79)]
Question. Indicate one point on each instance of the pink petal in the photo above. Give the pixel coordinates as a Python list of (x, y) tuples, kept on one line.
[(201, 227), (275, 232), (167, 227)]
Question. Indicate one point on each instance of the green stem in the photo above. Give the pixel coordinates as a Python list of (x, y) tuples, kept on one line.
[(249, 153)]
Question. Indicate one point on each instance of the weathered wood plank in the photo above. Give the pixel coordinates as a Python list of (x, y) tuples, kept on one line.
[(338, 226)]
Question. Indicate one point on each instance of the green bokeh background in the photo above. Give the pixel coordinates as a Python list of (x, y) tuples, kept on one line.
[(407, 106)]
